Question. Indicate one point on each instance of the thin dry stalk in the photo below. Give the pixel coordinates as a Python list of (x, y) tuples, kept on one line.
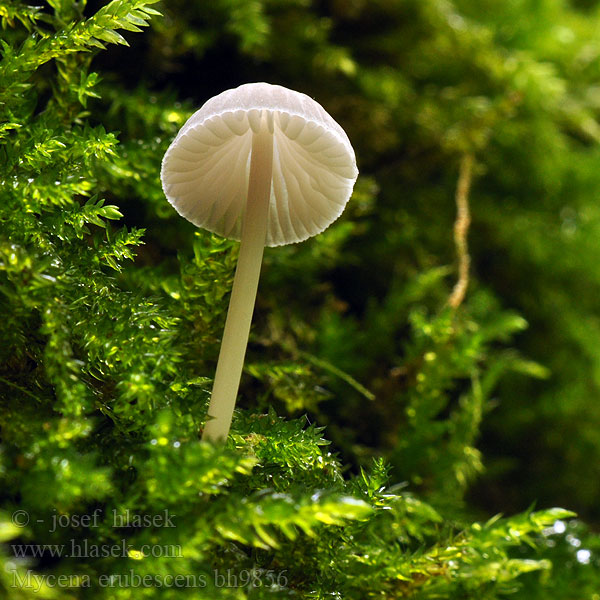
[(461, 228)]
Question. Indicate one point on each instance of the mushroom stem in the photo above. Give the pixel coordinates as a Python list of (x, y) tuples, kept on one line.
[(245, 285)]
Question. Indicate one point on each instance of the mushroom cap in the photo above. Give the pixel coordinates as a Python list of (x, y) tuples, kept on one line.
[(206, 169)]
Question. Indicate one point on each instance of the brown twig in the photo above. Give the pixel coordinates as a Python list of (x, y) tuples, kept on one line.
[(461, 227)]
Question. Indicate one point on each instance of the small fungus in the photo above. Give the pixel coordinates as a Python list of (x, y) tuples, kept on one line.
[(264, 165)]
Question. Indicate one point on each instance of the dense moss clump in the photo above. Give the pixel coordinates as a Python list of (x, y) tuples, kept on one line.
[(408, 377)]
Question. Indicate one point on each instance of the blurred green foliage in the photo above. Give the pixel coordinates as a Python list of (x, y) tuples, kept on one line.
[(379, 425)]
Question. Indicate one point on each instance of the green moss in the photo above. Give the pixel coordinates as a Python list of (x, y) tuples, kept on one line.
[(356, 467)]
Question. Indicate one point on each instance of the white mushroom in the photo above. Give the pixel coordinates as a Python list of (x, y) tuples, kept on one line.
[(265, 165)]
